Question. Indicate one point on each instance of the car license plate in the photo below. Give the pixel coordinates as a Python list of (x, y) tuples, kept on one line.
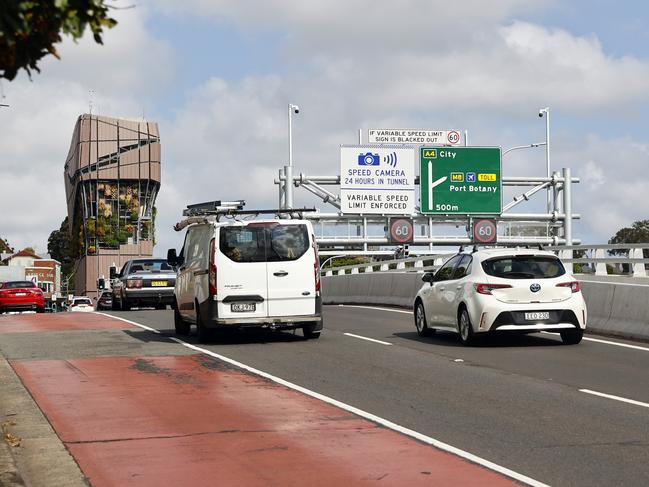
[(542, 315), (159, 283), (21, 294), (243, 307)]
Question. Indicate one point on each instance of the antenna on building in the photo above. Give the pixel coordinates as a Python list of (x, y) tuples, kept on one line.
[(91, 94)]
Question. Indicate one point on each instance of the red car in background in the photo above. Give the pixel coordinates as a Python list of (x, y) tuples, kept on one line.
[(21, 296)]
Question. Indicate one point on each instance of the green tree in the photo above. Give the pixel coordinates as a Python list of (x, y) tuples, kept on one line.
[(637, 233), (5, 248), (29, 30), (60, 248)]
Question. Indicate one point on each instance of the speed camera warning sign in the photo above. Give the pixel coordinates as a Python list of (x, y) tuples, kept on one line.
[(401, 231), (485, 231)]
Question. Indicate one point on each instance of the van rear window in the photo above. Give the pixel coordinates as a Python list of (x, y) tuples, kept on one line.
[(267, 243), (524, 267)]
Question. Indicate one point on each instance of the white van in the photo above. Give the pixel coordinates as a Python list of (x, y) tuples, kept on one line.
[(262, 273)]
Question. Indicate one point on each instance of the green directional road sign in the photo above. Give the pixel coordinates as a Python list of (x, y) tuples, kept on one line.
[(464, 180)]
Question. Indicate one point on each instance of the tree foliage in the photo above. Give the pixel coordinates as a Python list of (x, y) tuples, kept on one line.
[(59, 247), (29, 29), (637, 233)]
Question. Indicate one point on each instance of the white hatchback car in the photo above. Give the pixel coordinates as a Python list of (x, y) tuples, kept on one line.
[(81, 304), (501, 290)]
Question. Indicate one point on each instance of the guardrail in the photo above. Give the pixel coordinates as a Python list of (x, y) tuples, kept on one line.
[(594, 261)]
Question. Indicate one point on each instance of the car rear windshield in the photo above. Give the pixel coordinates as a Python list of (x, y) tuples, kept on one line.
[(264, 242), (150, 265), (524, 267), (82, 301), (17, 284)]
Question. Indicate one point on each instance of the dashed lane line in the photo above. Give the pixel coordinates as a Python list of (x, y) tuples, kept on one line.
[(366, 338), (615, 398)]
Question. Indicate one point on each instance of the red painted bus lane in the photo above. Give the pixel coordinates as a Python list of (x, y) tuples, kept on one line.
[(29, 323), (194, 420)]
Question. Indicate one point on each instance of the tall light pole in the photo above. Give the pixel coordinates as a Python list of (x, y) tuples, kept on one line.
[(545, 112), (528, 146), (288, 170)]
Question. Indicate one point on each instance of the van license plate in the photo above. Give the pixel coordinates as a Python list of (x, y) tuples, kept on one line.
[(545, 315), (158, 283), (243, 307)]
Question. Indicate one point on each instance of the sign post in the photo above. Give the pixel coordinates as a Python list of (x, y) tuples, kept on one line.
[(377, 179), (461, 180)]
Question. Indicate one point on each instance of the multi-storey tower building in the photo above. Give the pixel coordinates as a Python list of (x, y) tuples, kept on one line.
[(112, 178)]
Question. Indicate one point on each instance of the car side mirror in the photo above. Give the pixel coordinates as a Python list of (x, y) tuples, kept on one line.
[(113, 272), (172, 257), (427, 277)]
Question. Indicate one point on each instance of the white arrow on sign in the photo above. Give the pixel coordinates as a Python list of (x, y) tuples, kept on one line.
[(432, 184)]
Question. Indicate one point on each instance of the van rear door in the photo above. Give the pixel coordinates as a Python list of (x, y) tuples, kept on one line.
[(242, 283), (291, 269)]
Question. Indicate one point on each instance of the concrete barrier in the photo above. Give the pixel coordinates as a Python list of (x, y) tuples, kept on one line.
[(617, 306)]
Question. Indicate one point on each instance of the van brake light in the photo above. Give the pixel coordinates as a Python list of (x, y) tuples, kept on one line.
[(212, 268)]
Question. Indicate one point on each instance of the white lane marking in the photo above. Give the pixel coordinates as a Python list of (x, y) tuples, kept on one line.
[(368, 339), (148, 328), (608, 342), (359, 412), (616, 283), (616, 398), (375, 307)]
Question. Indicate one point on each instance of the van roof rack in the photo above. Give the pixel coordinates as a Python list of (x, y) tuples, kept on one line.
[(199, 212)]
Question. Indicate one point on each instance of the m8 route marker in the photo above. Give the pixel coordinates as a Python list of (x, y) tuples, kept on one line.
[(461, 180)]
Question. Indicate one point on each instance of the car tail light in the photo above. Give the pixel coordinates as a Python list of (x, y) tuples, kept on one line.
[(3, 293), (134, 283), (575, 286), (212, 269), (487, 288)]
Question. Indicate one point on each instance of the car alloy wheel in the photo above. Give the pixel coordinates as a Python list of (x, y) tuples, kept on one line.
[(420, 320), (465, 329)]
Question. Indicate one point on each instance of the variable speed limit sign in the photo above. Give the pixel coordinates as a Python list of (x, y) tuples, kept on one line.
[(401, 231), (485, 231)]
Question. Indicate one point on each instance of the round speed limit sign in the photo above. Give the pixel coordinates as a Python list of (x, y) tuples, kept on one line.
[(485, 231), (401, 231)]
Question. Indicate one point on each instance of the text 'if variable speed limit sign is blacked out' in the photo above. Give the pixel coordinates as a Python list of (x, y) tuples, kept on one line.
[(465, 180)]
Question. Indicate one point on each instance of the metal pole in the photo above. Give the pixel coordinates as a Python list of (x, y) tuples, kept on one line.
[(567, 208), (290, 135), (466, 138), (360, 136), (282, 194), (546, 111), (288, 186)]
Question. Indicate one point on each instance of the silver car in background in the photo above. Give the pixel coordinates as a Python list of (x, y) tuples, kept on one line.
[(143, 283)]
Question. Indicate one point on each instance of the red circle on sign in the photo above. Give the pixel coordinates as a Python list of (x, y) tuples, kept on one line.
[(453, 137), (401, 230), (485, 231)]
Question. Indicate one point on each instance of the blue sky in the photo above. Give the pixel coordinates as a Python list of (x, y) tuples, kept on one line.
[(217, 76)]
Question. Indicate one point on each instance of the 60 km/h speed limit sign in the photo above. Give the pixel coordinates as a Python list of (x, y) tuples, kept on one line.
[(485, 231), (401, 231)]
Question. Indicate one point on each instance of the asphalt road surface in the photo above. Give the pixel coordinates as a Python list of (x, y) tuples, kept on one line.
[(563, 415)]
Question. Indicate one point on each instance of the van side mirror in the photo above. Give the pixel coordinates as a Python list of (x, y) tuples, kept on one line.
[(113, 272), (428, 277), (172, 258)]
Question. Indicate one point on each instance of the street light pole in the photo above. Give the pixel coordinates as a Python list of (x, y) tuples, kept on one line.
[(546, 112), (528, 146), (288, 170)]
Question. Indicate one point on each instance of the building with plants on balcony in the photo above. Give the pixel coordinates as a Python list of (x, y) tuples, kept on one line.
[(112, 178)]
